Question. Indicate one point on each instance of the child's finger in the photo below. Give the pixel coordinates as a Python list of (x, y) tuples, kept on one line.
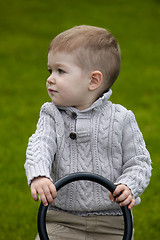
[(132, 203), (53, 190), (34, 194), (112, 199), (119, 189), (124, 195), (48, 195), (43, 197), (126, 201)]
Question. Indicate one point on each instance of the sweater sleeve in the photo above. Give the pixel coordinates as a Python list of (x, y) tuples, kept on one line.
[(41, 147), (136, 171)]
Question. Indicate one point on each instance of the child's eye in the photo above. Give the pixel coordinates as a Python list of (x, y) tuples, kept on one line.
[(50, 71), (60, 71)]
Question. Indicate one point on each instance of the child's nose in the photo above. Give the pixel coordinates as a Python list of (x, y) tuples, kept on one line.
[(51, 79)]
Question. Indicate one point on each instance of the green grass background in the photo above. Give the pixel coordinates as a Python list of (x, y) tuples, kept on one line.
[(26, 29)]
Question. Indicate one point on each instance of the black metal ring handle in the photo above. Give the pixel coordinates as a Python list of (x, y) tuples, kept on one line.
[(128, 225)]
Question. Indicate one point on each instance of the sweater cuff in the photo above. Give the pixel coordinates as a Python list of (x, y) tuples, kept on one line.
[(36, 170)]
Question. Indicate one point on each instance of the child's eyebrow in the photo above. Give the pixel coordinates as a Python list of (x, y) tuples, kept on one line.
[(57, 65), (48, 65)]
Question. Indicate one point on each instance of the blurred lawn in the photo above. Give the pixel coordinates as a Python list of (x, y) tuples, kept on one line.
[(27, 28)]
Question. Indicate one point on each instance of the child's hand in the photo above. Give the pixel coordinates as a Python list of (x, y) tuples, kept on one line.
[(125, 198), (43, 187)]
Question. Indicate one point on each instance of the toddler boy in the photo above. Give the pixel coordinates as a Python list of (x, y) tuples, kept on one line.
[(82, 131)]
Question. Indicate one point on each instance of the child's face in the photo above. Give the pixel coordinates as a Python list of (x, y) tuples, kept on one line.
[(67, 84)]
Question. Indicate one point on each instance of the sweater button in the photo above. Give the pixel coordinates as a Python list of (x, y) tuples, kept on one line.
[(73, 135), (74, 115)]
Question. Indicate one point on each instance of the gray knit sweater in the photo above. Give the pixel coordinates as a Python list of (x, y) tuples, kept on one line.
[(103, 139)]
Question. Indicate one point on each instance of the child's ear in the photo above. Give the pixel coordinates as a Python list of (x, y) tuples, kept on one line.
[(95, 80)]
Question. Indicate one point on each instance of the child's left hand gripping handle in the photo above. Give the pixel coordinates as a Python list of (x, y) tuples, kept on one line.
[(123, 195)]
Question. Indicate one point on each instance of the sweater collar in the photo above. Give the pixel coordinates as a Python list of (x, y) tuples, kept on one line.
[(100, 101)]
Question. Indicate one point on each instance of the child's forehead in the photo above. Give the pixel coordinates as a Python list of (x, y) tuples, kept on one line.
[(61, 58), (61, 55)]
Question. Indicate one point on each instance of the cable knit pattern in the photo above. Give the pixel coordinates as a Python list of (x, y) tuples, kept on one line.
[(108, 142)]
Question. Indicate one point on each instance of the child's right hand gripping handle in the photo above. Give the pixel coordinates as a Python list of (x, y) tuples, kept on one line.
[(45, 189)]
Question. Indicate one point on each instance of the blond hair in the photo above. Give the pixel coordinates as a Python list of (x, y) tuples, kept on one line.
[(94, 49)]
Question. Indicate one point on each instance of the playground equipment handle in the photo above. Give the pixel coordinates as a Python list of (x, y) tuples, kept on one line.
[(128, 225)]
